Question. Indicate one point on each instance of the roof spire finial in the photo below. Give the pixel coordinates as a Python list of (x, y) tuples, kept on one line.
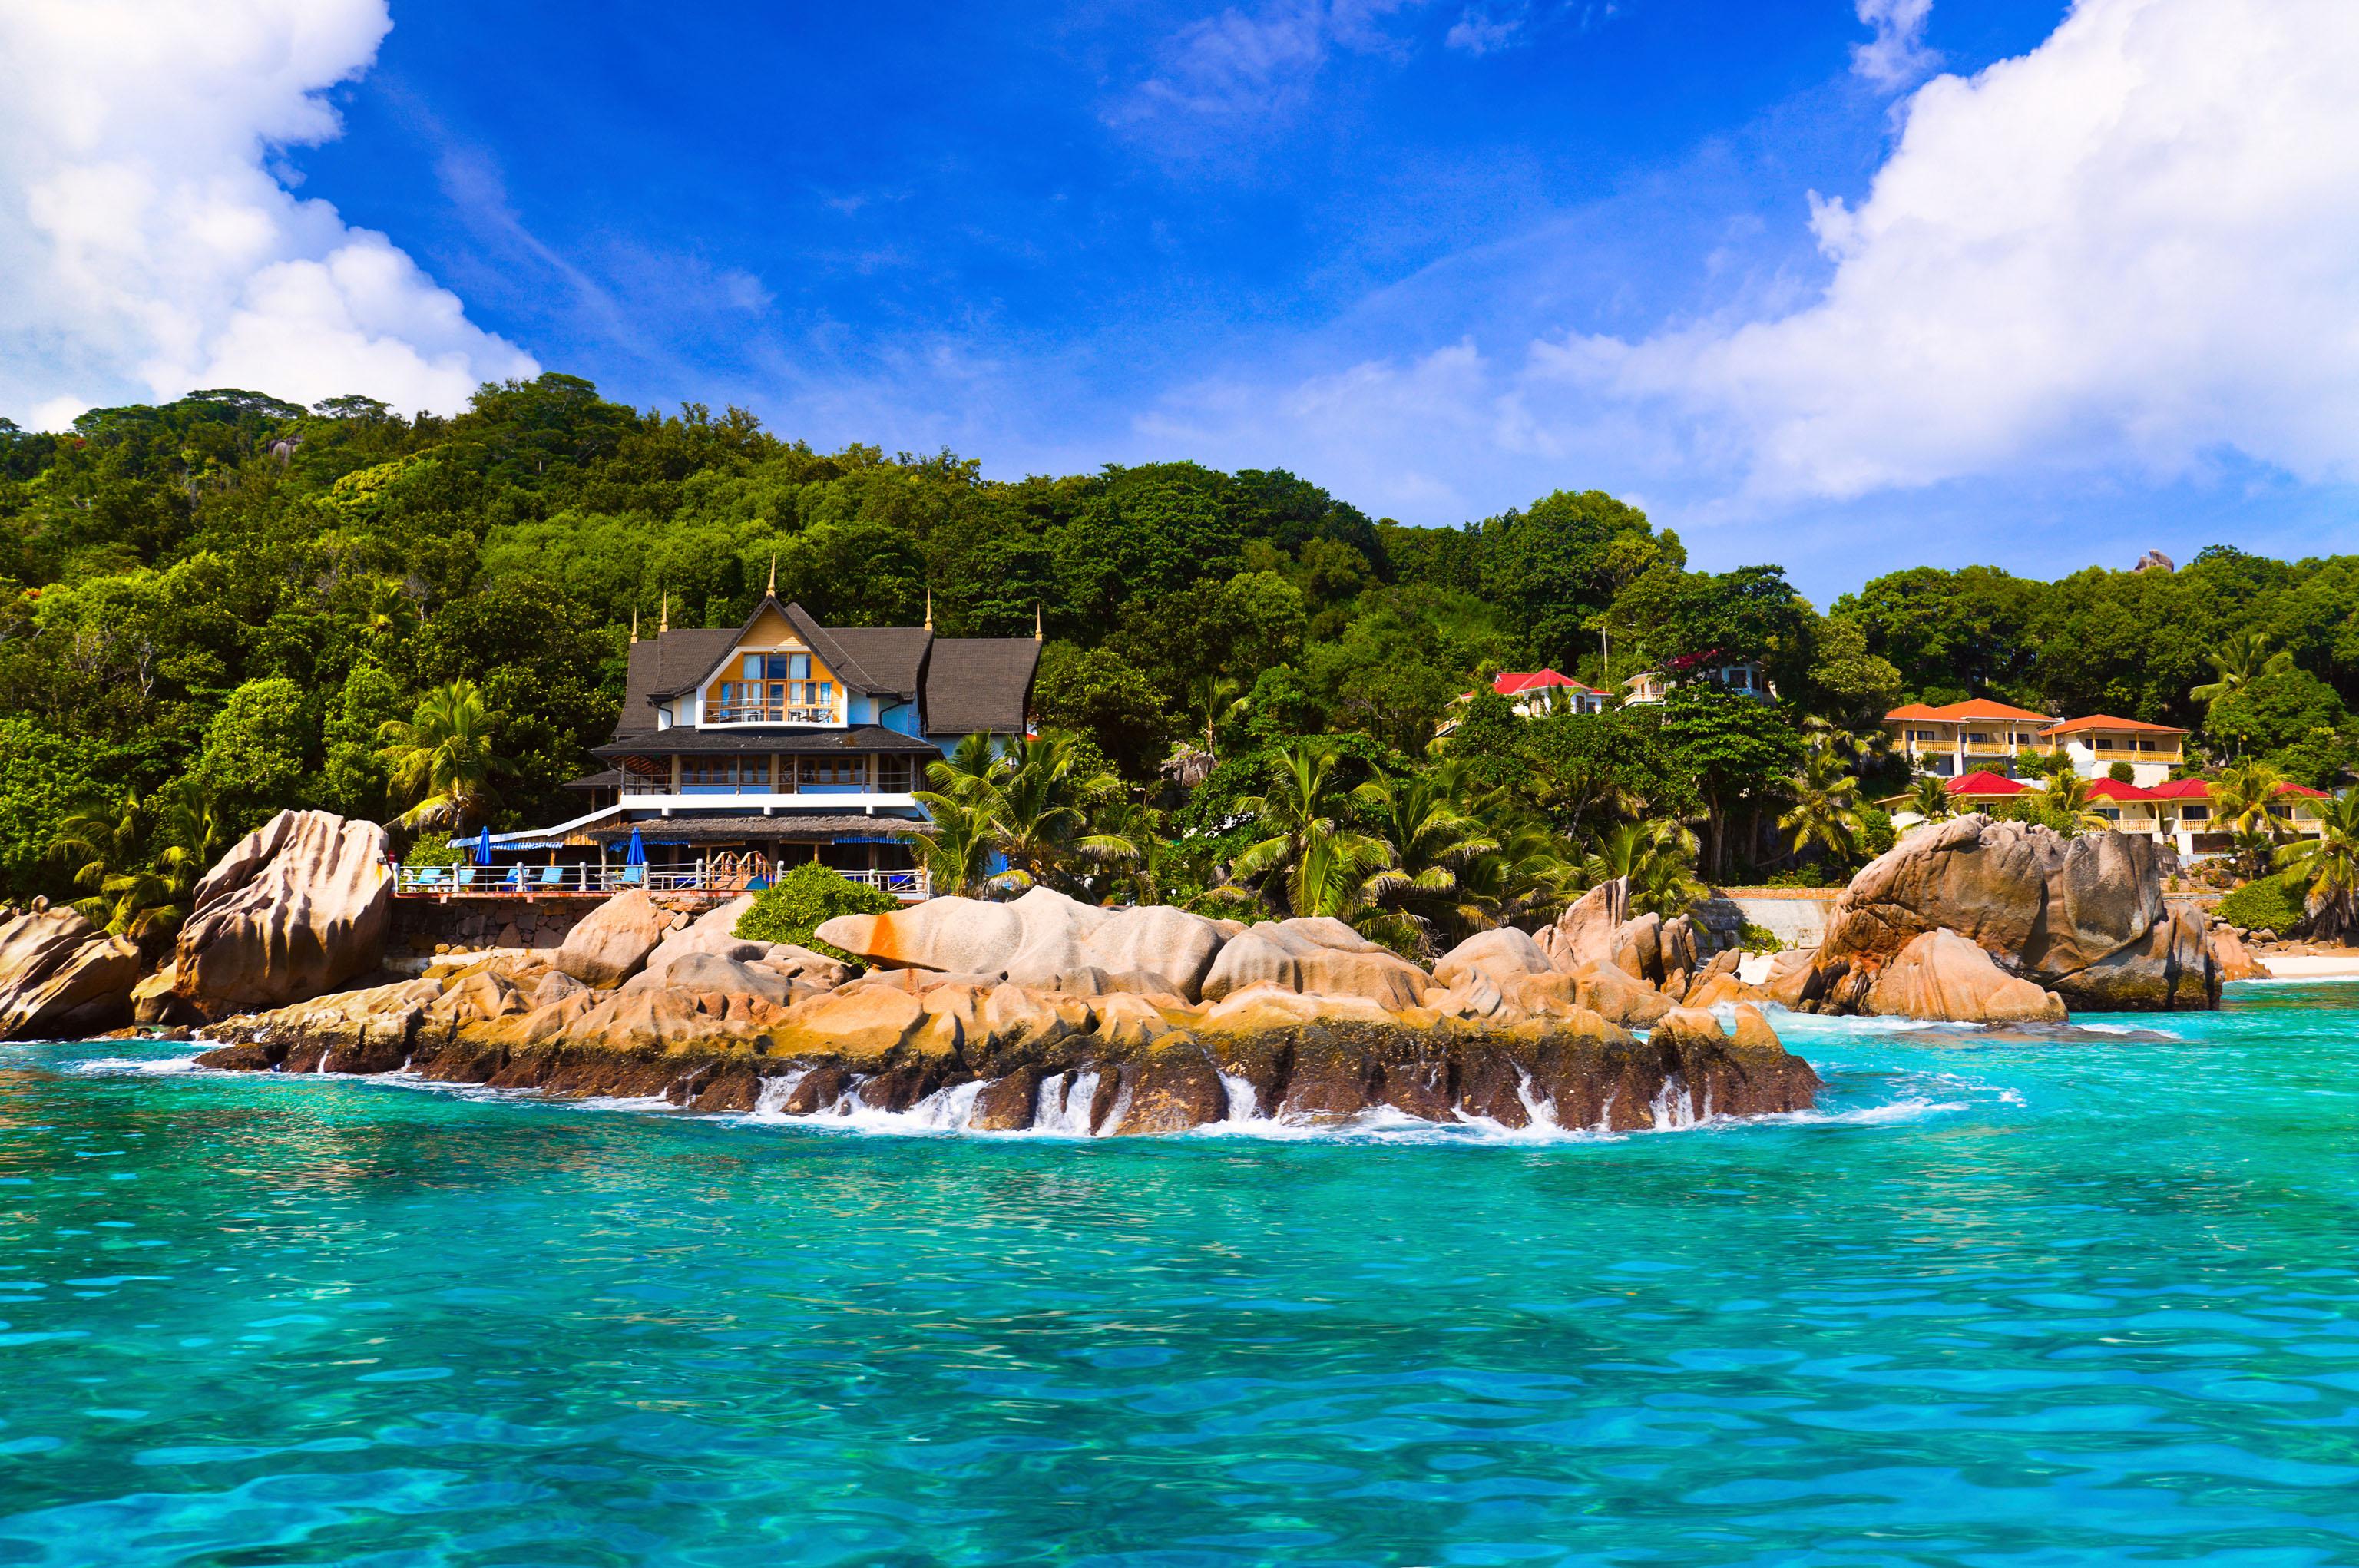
[(635, 623), (772, 591), (1037, 635), (664, 625), (930, 609)]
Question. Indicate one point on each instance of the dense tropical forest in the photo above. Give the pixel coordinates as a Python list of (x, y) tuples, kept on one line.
[(229, 603)]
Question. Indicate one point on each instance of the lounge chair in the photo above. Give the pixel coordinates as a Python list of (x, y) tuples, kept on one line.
[(466, 876), (553, 877), (630, 875)]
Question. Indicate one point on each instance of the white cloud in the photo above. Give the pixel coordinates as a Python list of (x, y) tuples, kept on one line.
[(149, 249), (1480, 31), (1251, 62), (2137, 243), (2132, 254), (1897, 55)]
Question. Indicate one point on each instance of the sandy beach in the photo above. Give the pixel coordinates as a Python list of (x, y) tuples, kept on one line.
[(2311, 965)]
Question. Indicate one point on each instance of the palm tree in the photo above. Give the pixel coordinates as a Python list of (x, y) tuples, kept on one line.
[(1044, 806), (1929, 799), (1306, 854), (100, 842), (441, 757), (2241, 798), (2069, 797), (2329, 866), (1531, 877), (1430, 845), (388, 611), (2239, 661), (147, 902), (1826, 806), (1657, 860), (957, 850)]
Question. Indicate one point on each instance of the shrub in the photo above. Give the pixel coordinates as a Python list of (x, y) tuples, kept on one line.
[(2265, 903), (433, 849), (801, 900), (1876, 833), (1808, 874), (1758, 939), (2121, 773)]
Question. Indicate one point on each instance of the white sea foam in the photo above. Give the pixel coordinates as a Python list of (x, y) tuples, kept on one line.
[(135, 1066)]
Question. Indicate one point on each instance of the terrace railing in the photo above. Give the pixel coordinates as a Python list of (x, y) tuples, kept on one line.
[(604, 881)]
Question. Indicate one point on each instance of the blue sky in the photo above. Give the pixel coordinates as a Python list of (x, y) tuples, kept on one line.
[(1438, 257)]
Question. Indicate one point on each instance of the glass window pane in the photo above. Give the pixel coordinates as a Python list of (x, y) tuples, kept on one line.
[(802, 668), (752, 667)]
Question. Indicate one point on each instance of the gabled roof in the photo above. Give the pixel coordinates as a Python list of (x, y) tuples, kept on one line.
[(2304, 791), (665, 666), (2115, 790), (2180, 789), (2108, 721), (979, 683), (1964, 712), (839, 659), (1984, 784), (1511, 683)]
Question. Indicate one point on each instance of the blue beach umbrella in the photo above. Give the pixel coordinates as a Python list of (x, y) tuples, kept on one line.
[(484, 846), (638, 854)]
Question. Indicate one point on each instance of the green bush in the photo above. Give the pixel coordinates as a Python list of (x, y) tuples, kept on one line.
[(805, 898), (1876, 833), (434, 849), (2121, 773), (1758, 939), (2265, 903)]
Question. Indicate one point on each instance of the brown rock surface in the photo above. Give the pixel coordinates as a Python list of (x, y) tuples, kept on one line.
[(1613, 992), (2083, 917), (610, 946), (1318, 956), (297, 908), (61, 976), (1940, 975), (1498, 955), (2231, 959), (1636, 949), (1583, 934)]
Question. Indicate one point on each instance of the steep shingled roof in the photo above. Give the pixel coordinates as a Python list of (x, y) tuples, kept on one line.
[(979, 683)]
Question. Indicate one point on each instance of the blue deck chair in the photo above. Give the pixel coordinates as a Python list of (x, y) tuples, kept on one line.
[(554, 877)]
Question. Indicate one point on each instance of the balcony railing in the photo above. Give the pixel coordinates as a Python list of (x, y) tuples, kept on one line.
[(883, 783), (772, 714), (603, 881)]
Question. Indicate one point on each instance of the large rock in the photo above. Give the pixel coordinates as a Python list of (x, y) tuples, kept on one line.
[(1043, 938), (1498, 955), (2231, 959), (297, 908), (1940, 975), (1315, 957), (615, 941), (61, 976), (1583, 934), (714, 931), (1636, 949), (966, 936), (2084, 917)]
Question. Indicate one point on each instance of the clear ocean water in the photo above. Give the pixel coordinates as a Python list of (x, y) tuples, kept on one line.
[(2086, 1298)]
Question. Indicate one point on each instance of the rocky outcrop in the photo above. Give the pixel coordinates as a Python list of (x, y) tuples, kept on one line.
[(297, 908), (615, 941), (1940, 975), (718, 1033), (1316, 956), (62, 977), (1042, 938), (1498, 955), (1583, 934), (2083, 917), (2231, 959)]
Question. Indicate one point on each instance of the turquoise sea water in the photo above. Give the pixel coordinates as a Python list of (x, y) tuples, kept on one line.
[(2007, 1301)]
